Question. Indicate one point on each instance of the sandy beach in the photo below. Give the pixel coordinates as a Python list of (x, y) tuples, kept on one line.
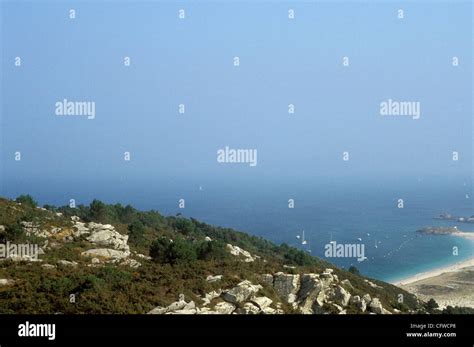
[(466, 235), (460, 266), (450, 286)]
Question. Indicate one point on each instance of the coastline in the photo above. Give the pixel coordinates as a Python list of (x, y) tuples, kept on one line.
[(466, 235), (448, 286), (435, 272)]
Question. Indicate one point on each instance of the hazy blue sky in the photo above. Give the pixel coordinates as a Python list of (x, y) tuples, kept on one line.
[(190, 61)]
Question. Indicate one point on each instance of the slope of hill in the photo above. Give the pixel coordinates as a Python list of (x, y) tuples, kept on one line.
[(115, 259)]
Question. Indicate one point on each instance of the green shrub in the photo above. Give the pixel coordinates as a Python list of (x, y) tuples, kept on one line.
[(26, 200), (211, 250), (352, 269), (11, 233), (98, 211), (184, 226), (167, 251), (431, 305), (135, 232)]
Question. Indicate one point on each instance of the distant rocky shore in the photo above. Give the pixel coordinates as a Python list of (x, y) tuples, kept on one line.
[(446, 231), (448, 216), (439, 230)]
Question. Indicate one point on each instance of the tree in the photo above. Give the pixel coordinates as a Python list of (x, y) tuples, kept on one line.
[(354, 270), (184, 226), (98, 211), (166, 251), (128, 214), (136, 231), (158, 250), (11, 233), (181, 251), (431, 305), (458, 310), (211, 250), (26, 200), (295, 256), (49, 207)]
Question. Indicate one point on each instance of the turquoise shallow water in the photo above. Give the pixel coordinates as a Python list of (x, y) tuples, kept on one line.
[(333, 211)]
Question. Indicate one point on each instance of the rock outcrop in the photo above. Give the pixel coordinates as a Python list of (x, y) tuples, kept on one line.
[(105, 254), (286, 285), (67, 263), (113, 245), (177, 307), (315, 293), (241, 292), (239, 252), (6, 282), (223, 308), (105, 235), (240, 299), (360, 304), (340, 296), (213, 278), (375, 306)]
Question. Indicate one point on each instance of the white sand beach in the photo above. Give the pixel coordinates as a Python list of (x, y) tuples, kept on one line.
[(466, 235), (436, 272), (450, 286)]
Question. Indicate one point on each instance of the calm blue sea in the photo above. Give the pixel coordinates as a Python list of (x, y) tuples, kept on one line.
[(334, 210)]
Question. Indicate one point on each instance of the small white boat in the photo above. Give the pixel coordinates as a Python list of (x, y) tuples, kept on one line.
[(303, 241)]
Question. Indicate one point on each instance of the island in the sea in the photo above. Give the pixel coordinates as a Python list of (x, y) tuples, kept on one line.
[(448, 216), (439, 230), (435, 230)]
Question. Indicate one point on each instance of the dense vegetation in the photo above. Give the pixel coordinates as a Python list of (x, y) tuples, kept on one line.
[(144, 227)]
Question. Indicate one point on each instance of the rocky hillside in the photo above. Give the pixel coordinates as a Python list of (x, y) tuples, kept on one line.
[(114, 259)]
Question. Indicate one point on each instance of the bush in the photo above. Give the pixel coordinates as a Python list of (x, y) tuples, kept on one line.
[(352, 269), (458, 310), (49, 207), (11, 233), (431, 305), (211, 250), (184, 226), (26, 200), (127, 214), (295, 256), (158, 250), (135, 232), (165, 251)]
